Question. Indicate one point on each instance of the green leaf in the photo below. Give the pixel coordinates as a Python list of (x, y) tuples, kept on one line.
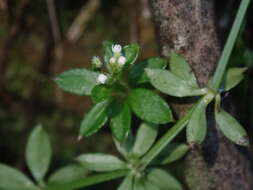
[(120, 120), (144, 184), (230, 127), (88, 181), (12, 179), (137, 73), (77, 81), (107, 46), (125, 147), (197, 126), (131, 53), (68, 174), (145, 138), (173, 152), (127, 183), (163, 180), (38, 153), (233, 77), (150, 186), (101, 162), (100, 93), (149, 106), (182, 69), (170, 84), (139, 184), (95, 119)]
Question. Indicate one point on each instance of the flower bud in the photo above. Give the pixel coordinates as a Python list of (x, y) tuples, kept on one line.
[(96, 62), (102, 78), (112, 60), (122, 60), (116, 48)]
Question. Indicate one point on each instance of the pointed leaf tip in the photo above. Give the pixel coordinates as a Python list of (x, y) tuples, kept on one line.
[(244, 141), (231, 128)]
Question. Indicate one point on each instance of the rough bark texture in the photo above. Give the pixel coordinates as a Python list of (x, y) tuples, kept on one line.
[(187, 28)]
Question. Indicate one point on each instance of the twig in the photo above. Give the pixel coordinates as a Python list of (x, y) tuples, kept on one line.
[(54, 21), (55, 29), (78, 26), (58, 43), (9, 41)]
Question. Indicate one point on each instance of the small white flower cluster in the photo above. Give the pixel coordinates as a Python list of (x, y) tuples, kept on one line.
[(118, 59), (116, 63)]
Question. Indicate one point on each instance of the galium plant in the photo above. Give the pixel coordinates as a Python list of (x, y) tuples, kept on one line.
[(117, 90), (122, 87)]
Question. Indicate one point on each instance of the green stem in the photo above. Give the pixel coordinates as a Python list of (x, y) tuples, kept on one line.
[(80, 183), (173, 132), (167, 138), (220, 70)]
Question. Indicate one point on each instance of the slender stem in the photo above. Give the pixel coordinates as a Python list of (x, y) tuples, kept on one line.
[(173, 132), (80, 183), (167, 138), (218, 76), (179, 126)]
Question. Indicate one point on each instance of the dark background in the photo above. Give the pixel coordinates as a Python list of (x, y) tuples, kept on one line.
[(36, 44)]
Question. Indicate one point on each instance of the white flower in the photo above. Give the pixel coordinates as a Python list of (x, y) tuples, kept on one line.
[(96, 62), (112, 60), (102, 78), (116, 48), (122, 60)]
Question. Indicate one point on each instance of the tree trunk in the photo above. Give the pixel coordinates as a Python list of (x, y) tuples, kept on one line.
[(188, 28)]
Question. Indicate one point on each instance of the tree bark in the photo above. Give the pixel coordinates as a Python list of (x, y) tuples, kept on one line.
[(188, 28)]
